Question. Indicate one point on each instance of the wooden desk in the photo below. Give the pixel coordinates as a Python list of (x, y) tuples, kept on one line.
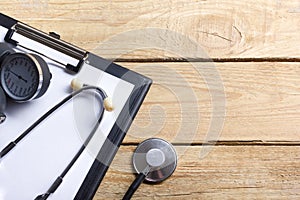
[(255, 46)]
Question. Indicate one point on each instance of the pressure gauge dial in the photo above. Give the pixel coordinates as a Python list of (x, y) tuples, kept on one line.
[(24, 76)]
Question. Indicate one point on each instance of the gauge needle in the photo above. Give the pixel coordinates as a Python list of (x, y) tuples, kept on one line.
[(17, 75)]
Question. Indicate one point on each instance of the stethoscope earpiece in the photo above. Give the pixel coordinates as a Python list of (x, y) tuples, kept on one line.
[(154, 160), (76, 84), (79, 88)]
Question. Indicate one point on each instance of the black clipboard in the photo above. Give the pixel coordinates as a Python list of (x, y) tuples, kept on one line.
[(123, 121)]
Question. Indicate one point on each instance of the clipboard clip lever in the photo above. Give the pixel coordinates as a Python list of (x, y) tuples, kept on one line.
[(51, 40)]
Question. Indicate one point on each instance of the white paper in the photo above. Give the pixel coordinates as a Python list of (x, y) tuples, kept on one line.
[(32, 166)]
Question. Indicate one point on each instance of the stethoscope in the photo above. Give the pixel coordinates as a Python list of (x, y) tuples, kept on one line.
[(154, 160), (106, 104), (24, 77)]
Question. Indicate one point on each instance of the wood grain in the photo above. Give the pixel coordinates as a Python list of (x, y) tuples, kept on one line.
[(257, 151), (228, 172), (261, 102), (222, 28)]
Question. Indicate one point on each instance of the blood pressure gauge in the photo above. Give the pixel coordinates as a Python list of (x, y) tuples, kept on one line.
[(24, 76)]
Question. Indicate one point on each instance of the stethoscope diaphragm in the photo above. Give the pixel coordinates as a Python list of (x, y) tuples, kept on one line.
[(157, 157), (154, 160)]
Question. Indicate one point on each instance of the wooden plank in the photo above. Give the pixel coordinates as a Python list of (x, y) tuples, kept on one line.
[(225, 29), (235, 172), (261, 102)]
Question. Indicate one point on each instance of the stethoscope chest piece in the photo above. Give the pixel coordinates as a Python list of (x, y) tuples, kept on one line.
[(155, 157)]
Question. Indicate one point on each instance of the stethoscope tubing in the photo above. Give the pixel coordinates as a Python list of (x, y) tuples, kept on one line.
[(134, 186), (59, 179), (12, 144)]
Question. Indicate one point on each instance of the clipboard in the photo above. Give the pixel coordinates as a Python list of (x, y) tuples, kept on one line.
[(66, 61)]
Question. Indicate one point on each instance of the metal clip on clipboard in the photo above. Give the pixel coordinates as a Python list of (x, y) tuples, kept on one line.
[(91, 173), (51, 40)]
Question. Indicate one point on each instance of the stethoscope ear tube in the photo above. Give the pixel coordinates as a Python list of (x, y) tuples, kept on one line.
[(108, 106), (59, 179)]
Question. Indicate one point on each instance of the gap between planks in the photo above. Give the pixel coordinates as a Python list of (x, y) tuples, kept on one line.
[(174, 59), (245, 172), (231, 143)]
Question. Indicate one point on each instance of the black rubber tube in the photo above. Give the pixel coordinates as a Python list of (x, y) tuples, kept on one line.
[(134, 186)]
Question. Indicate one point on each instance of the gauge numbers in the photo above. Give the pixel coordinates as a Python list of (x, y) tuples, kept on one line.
[(20, 77)]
